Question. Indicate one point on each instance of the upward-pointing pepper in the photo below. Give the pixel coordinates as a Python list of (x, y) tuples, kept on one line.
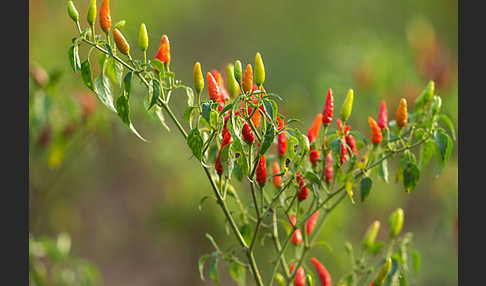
[(105, 16), (163, 54), (402, 115), (121, 42), (347, 106), (259, 70), (248, 79), (328, 108)]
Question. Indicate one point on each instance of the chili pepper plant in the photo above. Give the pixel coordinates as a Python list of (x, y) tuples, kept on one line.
[(312, 173)]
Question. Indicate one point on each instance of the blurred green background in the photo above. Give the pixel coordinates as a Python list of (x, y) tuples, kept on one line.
[(131, 207)]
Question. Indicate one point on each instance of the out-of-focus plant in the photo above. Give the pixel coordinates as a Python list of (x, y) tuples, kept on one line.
[(231, 135), (51, 263)]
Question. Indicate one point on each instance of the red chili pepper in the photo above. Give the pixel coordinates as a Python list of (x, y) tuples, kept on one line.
[(313, 131), (383, 115), (322, 272), (311, 222), (213, 88), (225, 125), (277, 180), (247, 134), (297, 236), (303, 193), (339, 124), (300, 278), (261, 171), (163, 54), (223, 92), (313, 155), (329, 169), (105, 16), (375, 131), (328, 108), (342, 155), (352, 144), (218, 166), (282, 138)]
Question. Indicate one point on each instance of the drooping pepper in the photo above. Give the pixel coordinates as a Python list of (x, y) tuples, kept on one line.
[(314, 155), (328, 172), (121, 43), (375, 131), (343, 151), (328, 110), (105, 16), (261, 171), (311, 222), (247, 84), (313, 131), (347, 106), (143, 38), (247, 134), (282, 138), (322, 272), (352, 144), (226, 140), (383, 115), (402, 115), (303, 193), (198, 78), (277, 180), (297, 236), (300, 278), (259, 70), (163, 54), (213, 88)]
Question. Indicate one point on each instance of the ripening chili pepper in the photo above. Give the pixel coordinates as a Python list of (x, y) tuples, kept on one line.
[(426, 95), (371, 233), (313, 155), (225, 125), (231, 83), (328, 172), (381, 276), (313, 131), (383, 115), (213, 87), (322, 272), (257, 115), (347, 106), (143, 38), (247, 83), (72, 11), (261, 171), (311, 222), (346, 130), (303, 193), (223, 92), (121, 42), (91, 16), (198, 78), (226, 140), (342, 154), (375, 131), (105, 16), (259, 70), (297, 236), (163, 54), (396, 222), (402, 115), (328, 110), (339, 124), (247, 134), (277, 180), (352, 144)]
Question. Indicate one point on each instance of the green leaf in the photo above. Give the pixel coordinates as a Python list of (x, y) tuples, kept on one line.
[(447, 121), (226, 108), (303, 141), (267, 139), (154, 93), (359, 136), (238, 272), (291, 143), (86, 74), (336, 147), (123, 110), (426, 151), (206, 110), (270, 108), (444, 148), (382, 170), (411, 174), (157, 64), (416, 261), (366, 184), (74, 57), (195, 142), (324, 244), (201, 262), (213, 119), (213, 270), (311, 176), (241, 160), (247, 232), (156, 113), (127, 83), (102, 88), (114, 70), (190, 96), (189, 115)]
